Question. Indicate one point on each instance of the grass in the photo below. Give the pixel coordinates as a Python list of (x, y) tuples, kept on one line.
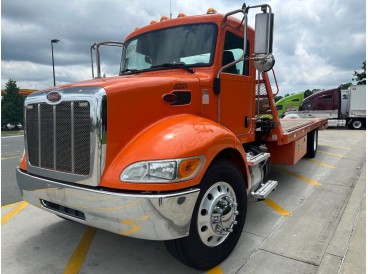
[(11, 132)]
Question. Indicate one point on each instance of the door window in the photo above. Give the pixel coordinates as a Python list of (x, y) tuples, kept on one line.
[(233, 50)]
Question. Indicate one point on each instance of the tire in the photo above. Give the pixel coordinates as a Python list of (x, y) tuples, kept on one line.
[(356, 124), (312, 144), (222, 186)]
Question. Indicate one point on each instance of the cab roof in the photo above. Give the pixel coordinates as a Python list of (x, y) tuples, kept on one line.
[(216, 18)]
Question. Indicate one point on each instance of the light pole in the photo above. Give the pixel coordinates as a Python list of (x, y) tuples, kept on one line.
[(53, 41)]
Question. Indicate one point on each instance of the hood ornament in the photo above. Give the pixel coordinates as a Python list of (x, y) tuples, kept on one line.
[(53, 96)]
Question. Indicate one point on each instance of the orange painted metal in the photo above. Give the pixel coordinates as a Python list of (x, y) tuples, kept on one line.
[(178, 136), (277, 131), (288, 154)]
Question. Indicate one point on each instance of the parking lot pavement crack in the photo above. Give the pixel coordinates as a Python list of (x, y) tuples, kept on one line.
[(352, 231), (265, 238), (290, 258), (333, 255)]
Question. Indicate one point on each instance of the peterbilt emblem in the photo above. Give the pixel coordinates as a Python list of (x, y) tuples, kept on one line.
[(53, 96)]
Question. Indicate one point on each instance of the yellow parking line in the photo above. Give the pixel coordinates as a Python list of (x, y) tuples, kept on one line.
[(277, 207), (320, 163), (9, 158), (80, 252), (348, 148), (10, 205), (14, 212), (305, 179), (215, 270), (333, 154)]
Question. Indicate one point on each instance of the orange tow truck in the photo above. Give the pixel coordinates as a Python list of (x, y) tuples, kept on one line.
[(170, 148)]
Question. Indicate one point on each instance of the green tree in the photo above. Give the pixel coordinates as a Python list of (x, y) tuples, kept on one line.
[(12, 104), (360, 77), (345, 86), (307, 93), (277, 97)]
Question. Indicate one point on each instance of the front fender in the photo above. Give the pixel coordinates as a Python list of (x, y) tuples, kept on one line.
[(178, 136)]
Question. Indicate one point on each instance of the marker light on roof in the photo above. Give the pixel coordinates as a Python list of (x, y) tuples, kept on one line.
[(211, 11), (181, 15), (164, 18), (153, 22)]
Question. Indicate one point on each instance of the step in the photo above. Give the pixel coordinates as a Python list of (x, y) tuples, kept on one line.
[(255, 160), (265, 190)]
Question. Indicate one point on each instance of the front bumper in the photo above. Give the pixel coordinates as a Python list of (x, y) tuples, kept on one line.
[(145, 216)]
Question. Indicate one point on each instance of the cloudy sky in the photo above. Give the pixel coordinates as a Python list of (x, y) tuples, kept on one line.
[(317, 44)]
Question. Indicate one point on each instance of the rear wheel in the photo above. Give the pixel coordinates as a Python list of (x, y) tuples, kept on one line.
[(356, 124), (312, 144), (217, 221)]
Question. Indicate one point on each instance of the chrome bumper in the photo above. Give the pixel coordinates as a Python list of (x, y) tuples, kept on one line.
[(145, 216)]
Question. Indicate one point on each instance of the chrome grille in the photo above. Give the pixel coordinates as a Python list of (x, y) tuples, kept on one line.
[(59, 136)]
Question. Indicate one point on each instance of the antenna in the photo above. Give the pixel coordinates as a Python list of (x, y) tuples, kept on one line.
[(170, 11)]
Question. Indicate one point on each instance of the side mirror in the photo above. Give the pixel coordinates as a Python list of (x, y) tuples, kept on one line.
[(263, 33), (264, 60)]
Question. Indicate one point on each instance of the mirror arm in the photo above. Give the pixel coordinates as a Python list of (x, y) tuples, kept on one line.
[(92, 48), (96, 47), (244, 11)]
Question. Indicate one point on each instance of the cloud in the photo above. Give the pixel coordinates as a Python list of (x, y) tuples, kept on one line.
[(316, 44)]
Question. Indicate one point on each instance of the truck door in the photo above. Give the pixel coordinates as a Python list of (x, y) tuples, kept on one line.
[(236, 106), (344, 98)]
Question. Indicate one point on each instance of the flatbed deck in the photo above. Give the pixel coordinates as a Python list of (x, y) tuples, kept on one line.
[(294, 129)]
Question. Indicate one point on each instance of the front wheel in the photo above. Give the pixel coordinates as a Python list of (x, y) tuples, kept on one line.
[(217, 221)]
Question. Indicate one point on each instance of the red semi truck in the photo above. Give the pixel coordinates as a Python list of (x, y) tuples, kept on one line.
[(170, 148), (340, 107)]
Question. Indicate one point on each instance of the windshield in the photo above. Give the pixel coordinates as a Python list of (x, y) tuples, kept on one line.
[(190, 45)]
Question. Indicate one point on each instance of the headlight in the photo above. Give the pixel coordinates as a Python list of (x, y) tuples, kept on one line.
[(167, 171)]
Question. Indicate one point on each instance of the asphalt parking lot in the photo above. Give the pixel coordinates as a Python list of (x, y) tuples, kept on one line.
[(314, 222)]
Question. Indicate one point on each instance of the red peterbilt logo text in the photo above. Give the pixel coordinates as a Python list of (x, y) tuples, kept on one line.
[(53, 96)]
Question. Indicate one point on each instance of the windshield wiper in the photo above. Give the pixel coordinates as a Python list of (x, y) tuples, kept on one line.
[(178, 65), (130, 71)]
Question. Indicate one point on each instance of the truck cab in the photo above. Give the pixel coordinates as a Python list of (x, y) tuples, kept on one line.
[(289, 103), (323, 100)]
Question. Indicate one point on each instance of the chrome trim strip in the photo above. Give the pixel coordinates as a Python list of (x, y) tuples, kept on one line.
[(72, 135), (163, 216), (39, 133), (54, 129)]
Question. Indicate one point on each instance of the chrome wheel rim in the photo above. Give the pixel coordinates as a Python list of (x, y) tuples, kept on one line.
[(217, 214)]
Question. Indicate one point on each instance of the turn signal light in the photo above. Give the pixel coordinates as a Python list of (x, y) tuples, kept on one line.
[(188, 167), (22, 162)]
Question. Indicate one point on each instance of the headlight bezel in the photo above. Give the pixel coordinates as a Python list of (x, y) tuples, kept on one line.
[(148, 176)]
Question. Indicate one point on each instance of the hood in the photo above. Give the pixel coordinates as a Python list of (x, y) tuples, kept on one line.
[(127, 82)]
